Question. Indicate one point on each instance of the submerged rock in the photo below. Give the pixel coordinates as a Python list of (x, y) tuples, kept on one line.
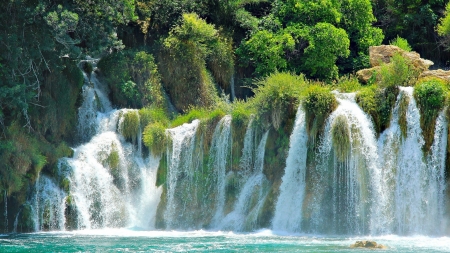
[(367, 244)]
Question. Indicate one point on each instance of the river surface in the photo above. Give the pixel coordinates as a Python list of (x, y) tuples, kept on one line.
[(127, 240)]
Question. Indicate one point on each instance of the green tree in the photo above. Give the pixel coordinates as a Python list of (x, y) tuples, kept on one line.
[(413, 20), (443, 27), (266, 51)]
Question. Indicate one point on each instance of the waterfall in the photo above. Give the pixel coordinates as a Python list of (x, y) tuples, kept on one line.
[(5, 213), (413, 184), (288, 211), (342, 183), (180, 166), (233, 96), (251, 197), (220, 158), (48, 205), (16, 221), (347, 182), (107, 182), (436, 190)]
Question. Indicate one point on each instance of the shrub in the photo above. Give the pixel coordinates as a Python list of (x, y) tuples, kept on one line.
[(318, 103), (241, 113), (113, 158), (129, 124), (401, 43), (133, 78), (155, 137), (347, 83), (149, 115), (378, 103), (203, 114), (430, 94), (277, 96), (399, 72)]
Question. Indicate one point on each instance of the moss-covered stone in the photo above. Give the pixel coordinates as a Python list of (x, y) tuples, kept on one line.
[(155, 137), (130, 125), (378, 103), (340, 133), (318, 103), (430, 94), (402, 110)]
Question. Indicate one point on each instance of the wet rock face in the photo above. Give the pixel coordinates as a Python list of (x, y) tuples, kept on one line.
[(367, 244)]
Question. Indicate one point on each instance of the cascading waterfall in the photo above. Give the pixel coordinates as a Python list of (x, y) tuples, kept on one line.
[(180, 166), (343, 181), (95, 103), (108, 182), (220, 158), (288, 211), (252, 195), (435, 211), (49, 205), (414, 185), (352, 184)]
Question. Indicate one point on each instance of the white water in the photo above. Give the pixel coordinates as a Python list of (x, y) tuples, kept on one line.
[(251, 197), (413, 185), (220, 159), (288, 211), (389, 187), (343, 186), (180, 164), (110, 183), (48, 205)]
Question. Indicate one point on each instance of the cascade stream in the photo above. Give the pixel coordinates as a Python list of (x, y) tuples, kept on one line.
[(355, 182)]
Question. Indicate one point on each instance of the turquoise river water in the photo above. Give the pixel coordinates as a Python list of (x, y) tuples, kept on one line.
[(125, 240)]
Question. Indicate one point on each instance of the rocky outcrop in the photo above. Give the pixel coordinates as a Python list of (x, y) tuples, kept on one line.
[(368, 245), (439, 73), (365, 74), (383, 54)]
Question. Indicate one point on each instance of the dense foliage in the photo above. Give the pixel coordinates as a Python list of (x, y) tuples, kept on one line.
[(179, 60)]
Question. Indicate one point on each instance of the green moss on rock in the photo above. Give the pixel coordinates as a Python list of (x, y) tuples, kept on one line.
[(430, 94)]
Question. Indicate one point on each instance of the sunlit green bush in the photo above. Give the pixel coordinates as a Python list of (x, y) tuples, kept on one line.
[(430, 94), (277, 96), (378, 103), (129, 125), (155, 137), (401, 43), (399, 72), (318, 103), (347, 83)]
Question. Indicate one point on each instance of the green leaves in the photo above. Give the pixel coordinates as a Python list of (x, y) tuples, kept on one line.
[(266, 50), (326, 44), (308, 12)]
